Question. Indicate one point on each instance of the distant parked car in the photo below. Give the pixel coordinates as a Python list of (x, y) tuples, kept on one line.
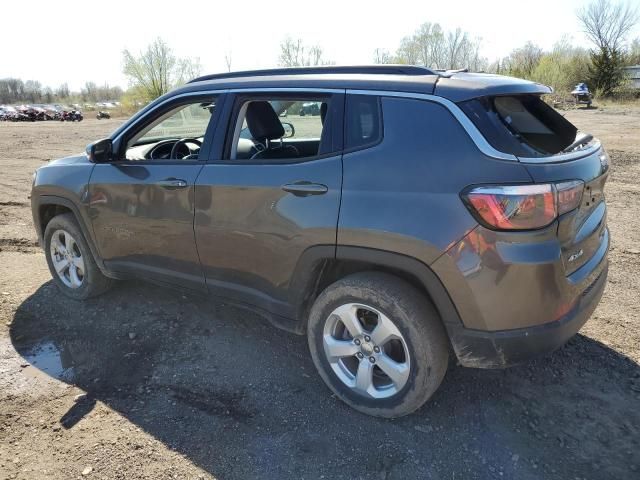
[(310, 108)]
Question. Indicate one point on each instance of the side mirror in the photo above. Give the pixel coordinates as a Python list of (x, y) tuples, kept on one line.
[(100, 151), (289, 130)]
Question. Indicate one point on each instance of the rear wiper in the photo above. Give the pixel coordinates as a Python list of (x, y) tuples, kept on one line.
[(580, 141)]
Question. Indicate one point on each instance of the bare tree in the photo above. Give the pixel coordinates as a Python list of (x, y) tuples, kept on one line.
[(469, 56), (433, 47), (314, 57), (157, 70), (456, 41), (430, 42), (607, 24), (61, 92), (188, 69), (408, 51), (522, 61), (227, 59), (89, 92), (382, 56), (293, 53)]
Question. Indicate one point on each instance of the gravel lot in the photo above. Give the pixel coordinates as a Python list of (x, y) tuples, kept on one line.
[(150, 383)]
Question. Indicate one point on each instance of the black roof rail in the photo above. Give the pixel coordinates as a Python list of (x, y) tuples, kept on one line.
[(385, 69)]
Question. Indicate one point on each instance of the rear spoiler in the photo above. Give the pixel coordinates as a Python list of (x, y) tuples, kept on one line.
[(462, 86), (582, 150)]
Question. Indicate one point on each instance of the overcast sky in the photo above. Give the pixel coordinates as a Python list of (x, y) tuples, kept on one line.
[(74, 41)]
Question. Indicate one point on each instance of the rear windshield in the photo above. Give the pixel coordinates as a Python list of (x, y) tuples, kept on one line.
[(523, 125)]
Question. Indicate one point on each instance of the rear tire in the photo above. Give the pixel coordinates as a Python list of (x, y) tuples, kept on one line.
[(353, 353), (70, 261)]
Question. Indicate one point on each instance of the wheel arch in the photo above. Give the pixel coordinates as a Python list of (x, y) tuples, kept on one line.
[(47, 207), (320, 266)]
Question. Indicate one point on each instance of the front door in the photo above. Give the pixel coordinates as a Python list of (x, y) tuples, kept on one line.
[(142, 203), (273, 195)]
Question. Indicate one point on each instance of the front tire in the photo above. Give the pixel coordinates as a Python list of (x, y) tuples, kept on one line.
[(70, 261), (378, 343)]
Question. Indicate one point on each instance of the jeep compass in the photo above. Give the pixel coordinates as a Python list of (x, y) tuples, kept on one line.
[(419, 216)]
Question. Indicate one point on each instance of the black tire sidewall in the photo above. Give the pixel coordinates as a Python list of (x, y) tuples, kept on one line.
[(93, 280), (425, 351)]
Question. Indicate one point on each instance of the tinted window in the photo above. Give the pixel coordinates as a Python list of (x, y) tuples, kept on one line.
[(522, 125), (363, 121)]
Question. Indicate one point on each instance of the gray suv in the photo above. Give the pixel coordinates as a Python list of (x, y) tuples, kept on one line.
[(422, 215)]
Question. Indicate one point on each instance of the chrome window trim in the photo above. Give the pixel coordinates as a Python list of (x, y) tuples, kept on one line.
[(483, 145)]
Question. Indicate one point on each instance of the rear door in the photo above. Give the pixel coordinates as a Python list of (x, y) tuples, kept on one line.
[(262, 203)]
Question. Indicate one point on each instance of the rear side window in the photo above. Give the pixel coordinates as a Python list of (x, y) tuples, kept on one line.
[(523, 125), (363, 121)]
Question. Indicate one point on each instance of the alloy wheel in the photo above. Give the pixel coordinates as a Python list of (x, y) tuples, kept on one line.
[(366, 351), (67, 260)]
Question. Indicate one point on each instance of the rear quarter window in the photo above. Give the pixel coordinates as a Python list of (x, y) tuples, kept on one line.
[(363, 121), (523, 125)]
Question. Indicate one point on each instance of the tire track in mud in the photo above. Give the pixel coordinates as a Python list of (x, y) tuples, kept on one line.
[(22, 245)]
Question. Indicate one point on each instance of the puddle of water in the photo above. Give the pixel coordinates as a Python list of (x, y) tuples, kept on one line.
[(48, 358)]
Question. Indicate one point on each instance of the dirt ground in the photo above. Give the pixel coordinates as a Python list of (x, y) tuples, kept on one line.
[(150, 383)]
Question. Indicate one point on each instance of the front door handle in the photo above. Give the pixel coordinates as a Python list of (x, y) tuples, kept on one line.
[(304, 189), (172, 183)]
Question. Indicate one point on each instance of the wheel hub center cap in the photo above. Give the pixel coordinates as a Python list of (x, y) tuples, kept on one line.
[(367, 348)]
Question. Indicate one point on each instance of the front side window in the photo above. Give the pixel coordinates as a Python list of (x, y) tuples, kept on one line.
[(279, 128), (177, 134)]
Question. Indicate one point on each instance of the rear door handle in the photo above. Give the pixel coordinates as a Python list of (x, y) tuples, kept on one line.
[(304, 189), (172, 183)]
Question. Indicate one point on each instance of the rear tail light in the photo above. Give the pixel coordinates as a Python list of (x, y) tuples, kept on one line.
[(523, 207), (569, 195)]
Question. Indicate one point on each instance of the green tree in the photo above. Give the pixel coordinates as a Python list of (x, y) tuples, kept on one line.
[(157, 70), (563, 67), (606, 70)]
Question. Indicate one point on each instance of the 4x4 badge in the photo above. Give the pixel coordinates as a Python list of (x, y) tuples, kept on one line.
[(576, 255)]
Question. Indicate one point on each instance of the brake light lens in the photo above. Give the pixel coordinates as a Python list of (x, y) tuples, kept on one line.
[(523, 207), (569, 195)]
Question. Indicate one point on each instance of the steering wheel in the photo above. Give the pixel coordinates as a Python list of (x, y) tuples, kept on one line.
[(183, 141)]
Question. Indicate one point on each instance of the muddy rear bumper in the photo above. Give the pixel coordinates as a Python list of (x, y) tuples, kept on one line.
[(499, 349)]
